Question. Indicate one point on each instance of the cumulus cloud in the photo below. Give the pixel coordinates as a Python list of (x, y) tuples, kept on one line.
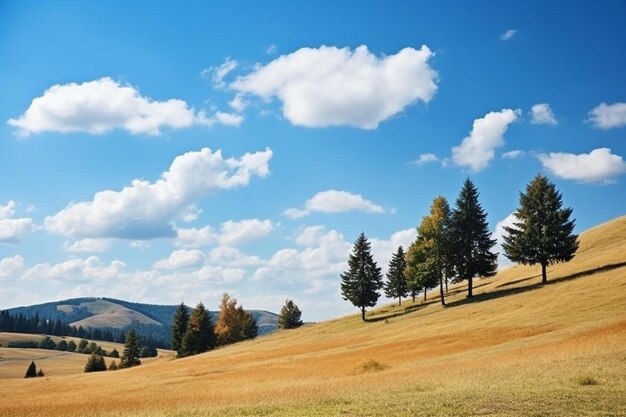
[(334, 201), (88, 245), (608, 116), (227, 256), (105, 104), (542, 114), (487, 134), (76, 271), (515, 154), (598, 166), (220, 72), (11, 267), (329, 86), (426, 158), (505, 36), (181, 258), (11, 229), (145, 210), (231, 233), (383, 249)]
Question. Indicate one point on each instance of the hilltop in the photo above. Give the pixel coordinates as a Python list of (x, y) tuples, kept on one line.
[(151, 320), (517, 348)]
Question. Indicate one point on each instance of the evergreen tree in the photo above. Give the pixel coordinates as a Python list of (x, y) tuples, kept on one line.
[(40, 373), (435, 231), (289, 317), (62, 346), (471, 238), (95, 363), (31, 372), (82, 344), (71, 346), (396, 286), (114, 353), (361, 283), (543, 232), (130, 356), (113, 366), (200, 335), (249, 328), (179, 327)]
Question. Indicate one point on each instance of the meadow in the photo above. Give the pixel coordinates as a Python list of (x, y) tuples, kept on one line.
[(516, 348)]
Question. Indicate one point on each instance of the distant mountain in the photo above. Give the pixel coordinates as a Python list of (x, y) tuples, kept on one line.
[(151, 320)]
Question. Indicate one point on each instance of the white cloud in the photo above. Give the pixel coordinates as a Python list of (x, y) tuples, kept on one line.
[(310, 235), (498, 234), (235, 232), (76, 271), (271, 50), (487, 133), (599, 166), (181, 258), (11, 267), (227, 256), (196, 238), (88, 245), (218, 73), (145, 210), (12, 230), (8, 210), (294, 213), (542, 114), (383, 249), (331, 86), (508, 34), (426, 158), (515, 154), (238, 103), (608, 116), (139, 244), (334, 201), (105, 104)]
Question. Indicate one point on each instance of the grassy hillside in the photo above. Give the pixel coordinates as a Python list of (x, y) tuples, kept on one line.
[(518, 348)]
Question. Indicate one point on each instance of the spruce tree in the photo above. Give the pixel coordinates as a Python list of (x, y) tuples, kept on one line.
[(289, 317), (543, 232), (200, 335), (396, 286), (471, 238), (130, 356), (179, 327), (31, 372), (361, 283), (95, 363)]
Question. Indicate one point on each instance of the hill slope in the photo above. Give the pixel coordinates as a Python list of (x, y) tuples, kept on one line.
[(518, 348)]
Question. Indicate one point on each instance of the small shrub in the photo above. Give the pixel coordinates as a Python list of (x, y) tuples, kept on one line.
[(370, 365), (587, 380), (40, 373)]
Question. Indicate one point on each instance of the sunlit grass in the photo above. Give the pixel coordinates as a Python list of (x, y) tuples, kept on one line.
[(520, 349)]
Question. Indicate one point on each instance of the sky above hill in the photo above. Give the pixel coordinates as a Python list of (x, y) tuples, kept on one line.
[(165, 152)]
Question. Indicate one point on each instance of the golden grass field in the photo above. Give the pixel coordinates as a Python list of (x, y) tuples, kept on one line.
[(519, 348)]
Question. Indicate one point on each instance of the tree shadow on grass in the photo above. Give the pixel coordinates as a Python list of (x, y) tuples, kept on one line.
[(499, 293), (517, 290)]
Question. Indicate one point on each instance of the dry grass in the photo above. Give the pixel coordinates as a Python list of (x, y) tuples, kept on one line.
[(524, 349)]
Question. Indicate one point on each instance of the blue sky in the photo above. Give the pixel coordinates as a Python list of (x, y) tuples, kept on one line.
[(169, 152)]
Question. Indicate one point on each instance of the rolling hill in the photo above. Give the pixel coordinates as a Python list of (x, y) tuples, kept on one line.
[(516, 348), (151, 320)]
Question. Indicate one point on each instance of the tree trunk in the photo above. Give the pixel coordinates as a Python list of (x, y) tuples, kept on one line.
[(544, 275), (399, 301), (413, 294), (443, 300), (446, 280), (424, 294), (469, 288), (363, 313)]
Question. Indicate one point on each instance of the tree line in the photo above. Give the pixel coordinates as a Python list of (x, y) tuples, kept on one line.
[(455, 245), (194, 332)]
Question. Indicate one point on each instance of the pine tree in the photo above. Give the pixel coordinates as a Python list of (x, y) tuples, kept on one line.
[(130, 356), (179, 327), (200, 335), (471, 238), (95, 363), (289, 317), (543, 231), (31, 372), (361, 283), (113, 366), (435, 231), (396, 286)]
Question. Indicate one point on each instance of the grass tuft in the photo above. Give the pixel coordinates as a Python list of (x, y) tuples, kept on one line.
[(370, 365), (587, 380)]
